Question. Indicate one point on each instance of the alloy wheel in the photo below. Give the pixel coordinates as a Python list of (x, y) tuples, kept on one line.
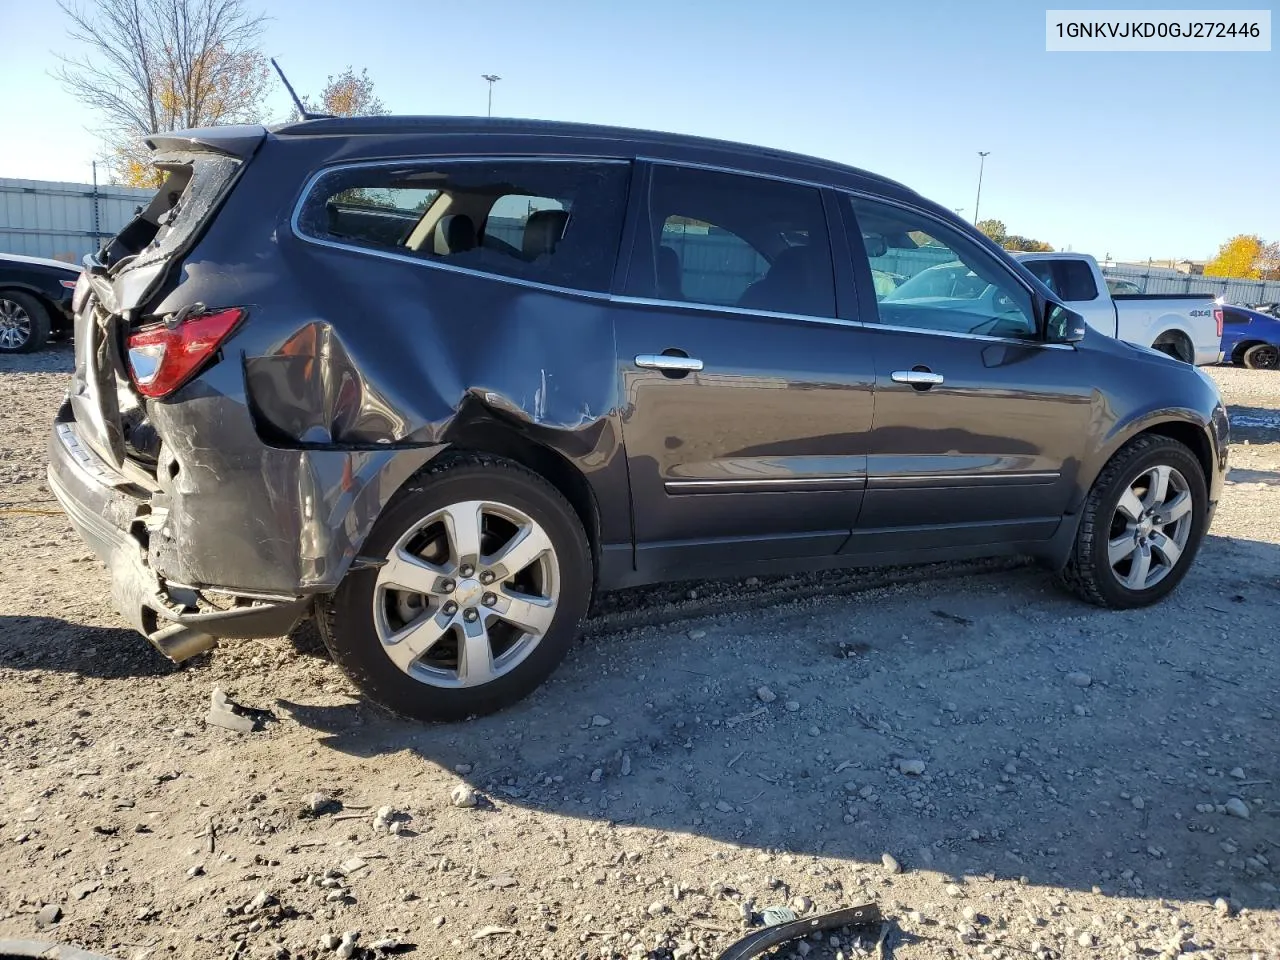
[(1150, 528), (466, 594), (15, 325)]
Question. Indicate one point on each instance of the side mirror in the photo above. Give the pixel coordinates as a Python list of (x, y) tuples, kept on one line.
[(875, 245), (1062, 325)]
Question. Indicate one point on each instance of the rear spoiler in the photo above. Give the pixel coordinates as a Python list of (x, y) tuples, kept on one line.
[(236, 140)]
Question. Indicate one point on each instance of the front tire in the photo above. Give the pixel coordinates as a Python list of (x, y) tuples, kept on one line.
[(485, 576), (1141, 525), (24, 322), (1262, 356)]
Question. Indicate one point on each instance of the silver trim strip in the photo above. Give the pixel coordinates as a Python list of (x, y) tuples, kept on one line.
[(716, 168), (969, 336), (762, 482), (908, 477), (715, 308)]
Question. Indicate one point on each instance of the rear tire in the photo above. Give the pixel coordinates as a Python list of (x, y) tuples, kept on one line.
[(1262, 356), (1175, 345), (1119, 525), (24, 322), (473, 637)]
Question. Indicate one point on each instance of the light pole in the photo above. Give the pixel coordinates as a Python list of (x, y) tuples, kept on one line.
[(982, 162), (492, 78)]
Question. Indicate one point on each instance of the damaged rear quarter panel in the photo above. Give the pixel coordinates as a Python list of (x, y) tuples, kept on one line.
[(351, 371)]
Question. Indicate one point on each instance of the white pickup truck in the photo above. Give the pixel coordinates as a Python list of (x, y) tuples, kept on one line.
[(1187, 326)]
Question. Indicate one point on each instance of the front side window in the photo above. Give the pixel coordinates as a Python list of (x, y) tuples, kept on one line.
[(734, 240), (930, 276), (550, 222)]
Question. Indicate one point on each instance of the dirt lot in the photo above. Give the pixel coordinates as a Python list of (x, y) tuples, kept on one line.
[(1092, 782)]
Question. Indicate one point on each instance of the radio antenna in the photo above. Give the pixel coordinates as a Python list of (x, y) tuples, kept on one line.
[(297, 101)]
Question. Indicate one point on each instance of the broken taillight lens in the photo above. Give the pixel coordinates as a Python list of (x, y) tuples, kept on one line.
[(1217, 316), (162, 358)]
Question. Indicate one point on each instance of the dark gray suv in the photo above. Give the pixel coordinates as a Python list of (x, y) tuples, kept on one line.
[(435, 381)]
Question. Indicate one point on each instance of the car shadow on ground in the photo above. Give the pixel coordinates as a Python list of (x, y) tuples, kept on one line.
[(1027, 773), (100, 653)]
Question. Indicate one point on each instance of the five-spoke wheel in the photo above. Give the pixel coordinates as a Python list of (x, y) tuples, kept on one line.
[(473, 583)]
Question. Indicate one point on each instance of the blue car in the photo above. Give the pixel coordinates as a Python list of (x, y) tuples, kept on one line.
[(1250, 338)]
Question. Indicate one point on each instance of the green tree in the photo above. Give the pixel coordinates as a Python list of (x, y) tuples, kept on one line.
[(995, 229), (1239, 257)]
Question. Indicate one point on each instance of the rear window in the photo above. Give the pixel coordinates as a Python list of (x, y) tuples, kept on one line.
[(192, 187), (549, 222)]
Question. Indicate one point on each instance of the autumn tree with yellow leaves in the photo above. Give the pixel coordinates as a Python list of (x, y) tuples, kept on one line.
[(349, 94), (150, 66), (1246, 257)]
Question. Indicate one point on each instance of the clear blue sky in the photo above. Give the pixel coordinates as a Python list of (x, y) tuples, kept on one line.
[(1136, 155)]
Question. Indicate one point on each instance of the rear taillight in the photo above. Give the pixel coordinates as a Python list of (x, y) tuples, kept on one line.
[(1217, 316), (69, 284), (163, 358)]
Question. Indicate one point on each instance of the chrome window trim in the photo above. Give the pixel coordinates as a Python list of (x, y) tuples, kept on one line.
[(737, 171), (969, 336), (386, 254), (606, 296), (741, 311)]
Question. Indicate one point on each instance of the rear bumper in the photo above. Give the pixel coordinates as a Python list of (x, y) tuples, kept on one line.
[(116, 517), (1207, 356)]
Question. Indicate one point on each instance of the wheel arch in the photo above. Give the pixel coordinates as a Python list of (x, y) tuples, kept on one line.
[(1182, 425), (1179, 336), (1191, 436), (1237, 350), (13, 286), (500, 439)]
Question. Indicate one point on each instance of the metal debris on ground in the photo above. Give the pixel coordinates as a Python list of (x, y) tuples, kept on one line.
[(757, 943), (226, 713)]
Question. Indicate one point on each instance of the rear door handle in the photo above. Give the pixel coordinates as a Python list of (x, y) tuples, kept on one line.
[(917, 378), (662, 361)]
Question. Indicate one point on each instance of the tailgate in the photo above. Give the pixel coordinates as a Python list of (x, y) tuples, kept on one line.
[(127, 275)]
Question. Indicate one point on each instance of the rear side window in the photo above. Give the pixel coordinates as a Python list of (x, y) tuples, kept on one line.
[(734, 240), (1072, 280), (545, 221), (1075, 280), (1231, 318)]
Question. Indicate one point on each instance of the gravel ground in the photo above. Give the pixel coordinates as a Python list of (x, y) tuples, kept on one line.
[(1006, 772)]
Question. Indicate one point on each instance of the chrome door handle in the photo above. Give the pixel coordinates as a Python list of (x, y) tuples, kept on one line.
[(916, 377), (661, 361)]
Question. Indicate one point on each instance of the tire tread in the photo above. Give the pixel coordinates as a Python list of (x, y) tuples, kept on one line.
[(1081, 575)]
